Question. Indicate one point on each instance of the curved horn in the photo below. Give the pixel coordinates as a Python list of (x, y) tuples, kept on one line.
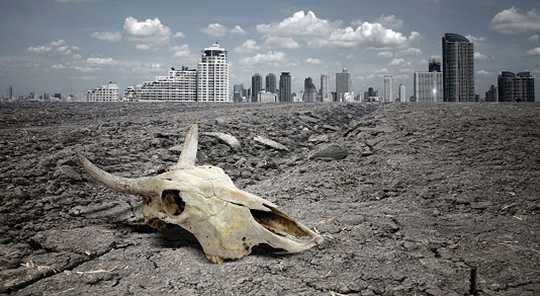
[(189, 151), (121, 184)]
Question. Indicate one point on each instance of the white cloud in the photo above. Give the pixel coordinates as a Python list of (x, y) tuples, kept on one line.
[(100, 61), (318, 32), (534, 52), (148, 33), (143, 47), (480, 56), (534, 38), (513, 21), (249, 46), (281, 42), (58, 66), (314, 61), (179, 35), (273, 58), (390, 21), (181, 51), (107, 36), (475, 38), (216, 30), (238, 30), (411, 51), (58, 43), (39, 49), (397, 62), (483, 73), (385, 54)]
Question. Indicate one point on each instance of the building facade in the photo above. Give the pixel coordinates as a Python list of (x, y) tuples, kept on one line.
[(177, 85), (213, 79), (428, 87), (256, 86), (343, 84), (105, 93), (266, 97), (458, 68), (388, 94), (402, 94), (491, 94), (238, 93), (515, 88), (285, 83), (270, 83), (323, 92), (435, 65), (310, 91)]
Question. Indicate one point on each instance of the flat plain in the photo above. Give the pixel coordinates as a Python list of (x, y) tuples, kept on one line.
[(411, 199)]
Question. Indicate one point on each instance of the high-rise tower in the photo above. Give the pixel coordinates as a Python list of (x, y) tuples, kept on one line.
[(256, 86), (285, 81), (458, 68), (270, 83), (213, 75)]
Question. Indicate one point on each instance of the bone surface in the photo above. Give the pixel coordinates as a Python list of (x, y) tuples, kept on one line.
[(230, 140), (225, 220), (270, 143)]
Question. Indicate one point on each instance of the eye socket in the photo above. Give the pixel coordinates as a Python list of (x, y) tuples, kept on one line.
[(172, 202)]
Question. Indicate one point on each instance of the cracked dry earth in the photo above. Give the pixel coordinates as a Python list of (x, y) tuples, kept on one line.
[(429, 200)]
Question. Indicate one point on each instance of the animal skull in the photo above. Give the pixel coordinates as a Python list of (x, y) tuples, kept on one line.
[(226, 221)]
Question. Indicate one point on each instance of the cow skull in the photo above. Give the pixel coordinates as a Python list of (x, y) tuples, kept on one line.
[(226, 221)]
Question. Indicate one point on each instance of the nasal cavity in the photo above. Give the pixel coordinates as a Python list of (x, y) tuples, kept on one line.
[(172, 202)]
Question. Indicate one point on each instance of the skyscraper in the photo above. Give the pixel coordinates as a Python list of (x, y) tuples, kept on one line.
[(434, 65), (343, 84), (238, 92), (388, 95), (458, 68), (428, 87), (10, 92), (323, 92), (310, 91), (256, 86), (285, 82), (270, 83), (514, 87), (402, 94), (213, 75)]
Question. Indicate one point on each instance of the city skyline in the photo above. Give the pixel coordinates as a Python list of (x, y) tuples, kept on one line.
[(61, 46)]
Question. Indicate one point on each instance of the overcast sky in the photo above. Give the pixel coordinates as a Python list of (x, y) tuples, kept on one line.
[(73, 45)]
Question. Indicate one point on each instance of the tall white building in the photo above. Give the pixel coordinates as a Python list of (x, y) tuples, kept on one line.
[(324, 89), (266, 97), (388, 95), (402, 94), (105, 93), (428, 86), (213, 75), (178, 85)]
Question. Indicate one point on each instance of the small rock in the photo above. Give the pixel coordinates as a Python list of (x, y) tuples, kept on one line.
[(67, 172), (330, 152)]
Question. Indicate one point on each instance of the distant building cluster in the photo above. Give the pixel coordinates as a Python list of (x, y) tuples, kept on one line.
[(515, 87), (105, 93)]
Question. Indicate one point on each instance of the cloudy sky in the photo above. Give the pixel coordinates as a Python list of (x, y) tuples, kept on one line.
[(73, 45)]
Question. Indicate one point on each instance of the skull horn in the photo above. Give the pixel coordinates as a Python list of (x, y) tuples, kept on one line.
[(141, 186), (189, 150)]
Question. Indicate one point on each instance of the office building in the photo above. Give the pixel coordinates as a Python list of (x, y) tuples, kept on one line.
[(213, 75), (515, 88), (238, 93), (402, 94), (428, 87), (458, 68), (388, 95), (310, 91), (178, 85), (285, 83), (266, 97), (491, 94), (323, 92), (270, 83), (105, 93), (343, 84), (256, 86), (434, 65), (10, 92)]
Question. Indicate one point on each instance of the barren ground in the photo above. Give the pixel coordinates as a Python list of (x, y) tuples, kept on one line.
[(431, 199)]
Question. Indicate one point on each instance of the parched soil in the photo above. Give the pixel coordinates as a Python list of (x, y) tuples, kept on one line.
[(439, 199)]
